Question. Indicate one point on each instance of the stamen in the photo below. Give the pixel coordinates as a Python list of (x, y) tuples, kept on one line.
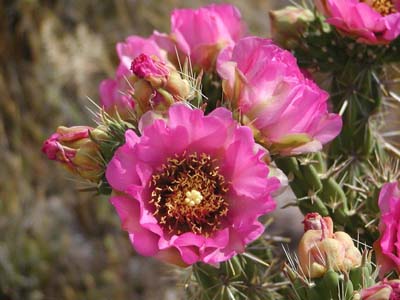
[(384, 7), (188, 195)]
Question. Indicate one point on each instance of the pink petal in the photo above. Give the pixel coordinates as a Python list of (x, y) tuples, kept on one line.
[(145, 242), (120, 172)]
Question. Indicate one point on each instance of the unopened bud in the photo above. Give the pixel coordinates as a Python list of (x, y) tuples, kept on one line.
[(74, 148), (321, 249), (316, 222), (152, 69), (157, 85), (287, 25)]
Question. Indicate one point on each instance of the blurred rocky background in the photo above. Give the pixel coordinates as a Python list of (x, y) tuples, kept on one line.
[(56, 242)]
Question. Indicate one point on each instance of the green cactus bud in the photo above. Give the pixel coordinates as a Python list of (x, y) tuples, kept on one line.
[(362, 275), (356, 276), (328, 285), (348, 288)]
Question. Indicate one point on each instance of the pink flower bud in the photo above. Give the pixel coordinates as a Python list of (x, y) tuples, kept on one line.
[(75, 150), (150, 68), (321, 249), (316, 222), (62, 145), (116, 93), (384, 290), (156, 84)]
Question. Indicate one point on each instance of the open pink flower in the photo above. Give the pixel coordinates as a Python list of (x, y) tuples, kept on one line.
[(116, 93), (369, 21), (202, 33), (387, 248), (384, 290), (191, 187), (287, 111)]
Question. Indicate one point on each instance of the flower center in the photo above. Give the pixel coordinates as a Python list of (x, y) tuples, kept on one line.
[(188, 195), (384, 7), (193, 197)]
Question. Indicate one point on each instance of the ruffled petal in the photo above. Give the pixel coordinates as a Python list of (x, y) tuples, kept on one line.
[(121, 172)]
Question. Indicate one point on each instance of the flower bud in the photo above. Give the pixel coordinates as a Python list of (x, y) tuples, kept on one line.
[(288, 24), (152, 69), (156, 84), (316, 222), (74, 148), (320, 249), (384, 290)]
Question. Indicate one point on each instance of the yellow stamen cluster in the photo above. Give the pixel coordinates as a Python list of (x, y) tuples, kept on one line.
[(188, 195), (384, 7)]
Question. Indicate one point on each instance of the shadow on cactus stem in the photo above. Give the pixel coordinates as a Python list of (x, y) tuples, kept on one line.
[(255, 274)]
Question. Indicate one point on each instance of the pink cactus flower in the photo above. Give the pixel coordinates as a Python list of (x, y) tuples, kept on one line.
[(369, 21), (191, 187), (287, 111), (116, 93), (387, 247), (384, 290), (202, 33)]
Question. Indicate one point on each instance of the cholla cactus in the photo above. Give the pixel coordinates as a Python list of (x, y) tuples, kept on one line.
[(342, 182), (189, 176), (252, 275)]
